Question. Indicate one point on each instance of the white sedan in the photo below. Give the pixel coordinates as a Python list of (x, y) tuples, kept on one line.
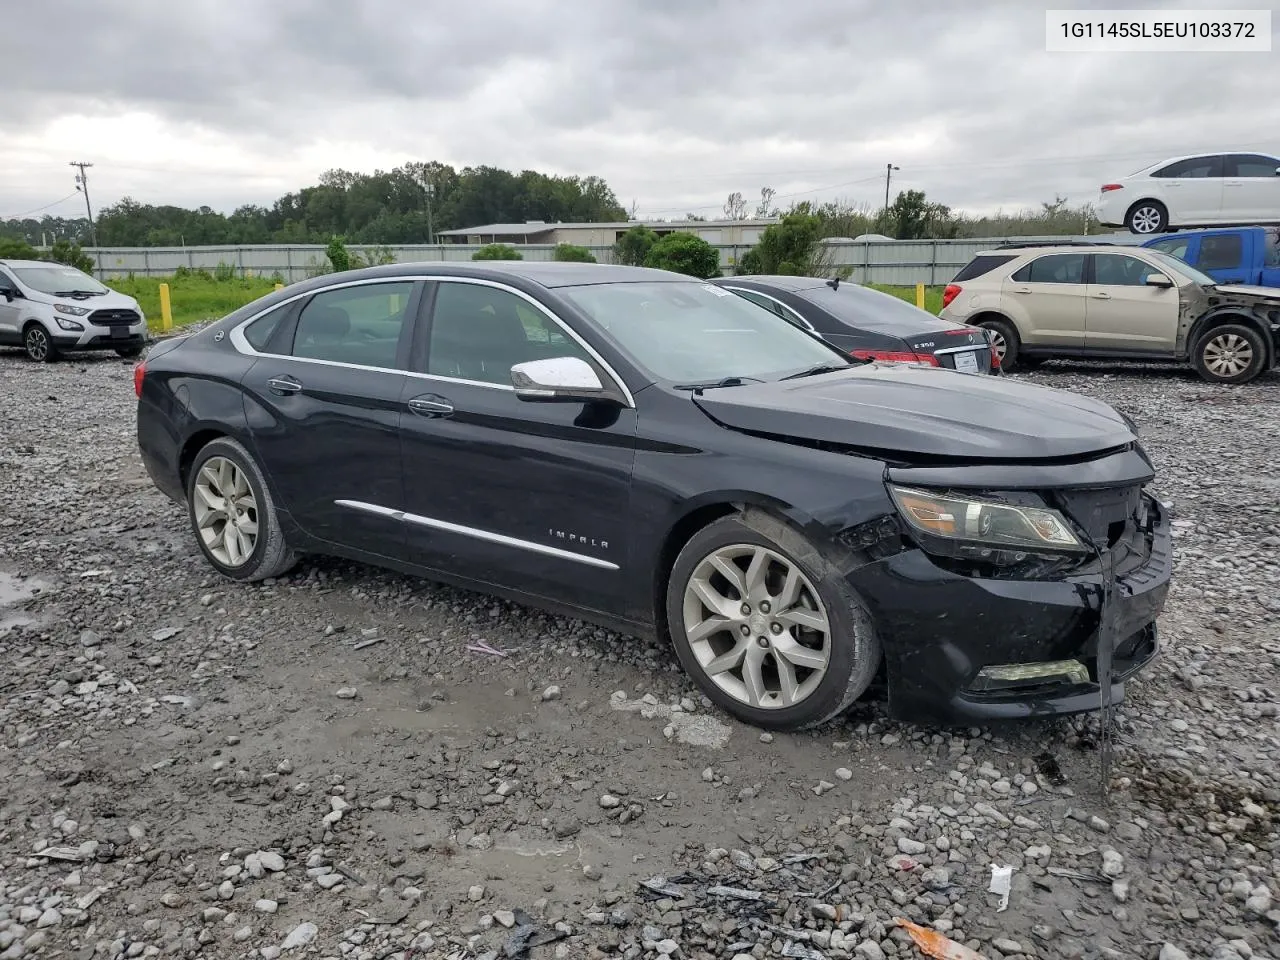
[(1211, 189)]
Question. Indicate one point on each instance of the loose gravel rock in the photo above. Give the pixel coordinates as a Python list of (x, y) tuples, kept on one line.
[(194, 767)]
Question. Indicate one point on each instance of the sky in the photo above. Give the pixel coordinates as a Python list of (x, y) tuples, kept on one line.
[(676, 103)]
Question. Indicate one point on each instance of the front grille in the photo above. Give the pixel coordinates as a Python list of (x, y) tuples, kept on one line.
[(114, 318)]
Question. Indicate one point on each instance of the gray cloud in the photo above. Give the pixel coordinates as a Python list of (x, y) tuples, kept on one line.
[(675, 103)]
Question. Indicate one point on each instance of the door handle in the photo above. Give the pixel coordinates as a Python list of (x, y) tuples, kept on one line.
[(1233, 183), (431, 406), (1021, 289), (1102, 296), (283, 385)]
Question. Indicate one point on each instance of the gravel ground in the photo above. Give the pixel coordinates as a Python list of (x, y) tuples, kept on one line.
[(319, 766)]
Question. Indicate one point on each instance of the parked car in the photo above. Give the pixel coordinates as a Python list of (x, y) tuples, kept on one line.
[(1246, 255), (869, 324), (655, 454), (50, 308), (1200, 191), (1099, 300)]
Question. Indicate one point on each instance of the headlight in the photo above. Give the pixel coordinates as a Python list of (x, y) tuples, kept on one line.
[(68, 324), (965, 520), (67, 308)]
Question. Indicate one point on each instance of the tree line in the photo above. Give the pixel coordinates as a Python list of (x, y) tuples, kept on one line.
[(414, 202)]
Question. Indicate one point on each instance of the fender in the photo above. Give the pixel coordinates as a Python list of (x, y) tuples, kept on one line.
[(1231, 313)]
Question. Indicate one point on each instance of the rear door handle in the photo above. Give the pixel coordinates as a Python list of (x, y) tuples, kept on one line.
[(431, 406), (1102, 296), (283, 385), (1021, 289)]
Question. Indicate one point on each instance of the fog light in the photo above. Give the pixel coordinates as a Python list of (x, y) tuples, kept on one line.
[(1013, 675)]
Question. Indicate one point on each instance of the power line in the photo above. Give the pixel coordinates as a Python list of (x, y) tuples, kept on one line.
[(27, 213)]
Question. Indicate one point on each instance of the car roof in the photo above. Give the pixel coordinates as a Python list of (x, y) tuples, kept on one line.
[(788, 283), (31, 263), (548, 273), (1019, 249)]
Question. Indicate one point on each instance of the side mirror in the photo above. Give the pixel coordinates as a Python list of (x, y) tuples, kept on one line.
[(1278, 171), (9, 294), (557, 379), (1159, 280)]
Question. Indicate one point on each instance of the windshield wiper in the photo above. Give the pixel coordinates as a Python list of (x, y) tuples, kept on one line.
[(818, 368), (712, 384)]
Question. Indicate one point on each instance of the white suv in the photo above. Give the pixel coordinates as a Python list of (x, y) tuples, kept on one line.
[(48, 308), (1101, 300), (1208, 190)]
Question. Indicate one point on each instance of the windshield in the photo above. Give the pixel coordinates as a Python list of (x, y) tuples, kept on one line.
[(698, 333), (58, 278), (1182, 268)]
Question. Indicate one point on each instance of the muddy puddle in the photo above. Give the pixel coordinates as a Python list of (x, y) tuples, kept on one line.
[(15, 591)]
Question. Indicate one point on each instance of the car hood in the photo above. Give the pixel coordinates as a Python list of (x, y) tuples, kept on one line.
[(922, 412), (1243, 290), (111, 300)]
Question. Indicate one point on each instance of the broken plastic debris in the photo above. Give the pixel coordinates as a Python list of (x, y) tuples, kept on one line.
[(482, 646), (1001, 885), (735, 893), (934, 944)]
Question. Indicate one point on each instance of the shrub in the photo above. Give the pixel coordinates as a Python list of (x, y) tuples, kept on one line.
[(568, 253), (633, 246), (224, 272), (69, 252), (339, 259), (789, 248), (497, 251), (684, 253), (14, 249)]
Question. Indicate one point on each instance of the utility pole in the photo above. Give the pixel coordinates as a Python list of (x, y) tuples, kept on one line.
[(888, 172), (82, 184), (431, 189)]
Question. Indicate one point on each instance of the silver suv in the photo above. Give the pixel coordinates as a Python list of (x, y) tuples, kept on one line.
[(48, 308), (1098, 300)]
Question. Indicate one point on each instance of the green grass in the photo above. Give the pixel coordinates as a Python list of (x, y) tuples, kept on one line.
[(192, 298), (195, 297)]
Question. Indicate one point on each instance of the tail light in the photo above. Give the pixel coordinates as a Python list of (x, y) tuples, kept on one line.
[(893, 356), (995, 358), (139, 371), (949, 293), (1108, 187)]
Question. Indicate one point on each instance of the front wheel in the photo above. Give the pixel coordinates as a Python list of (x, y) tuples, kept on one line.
[(1231, 353), (233, 516), (38, 344), (767, 627)]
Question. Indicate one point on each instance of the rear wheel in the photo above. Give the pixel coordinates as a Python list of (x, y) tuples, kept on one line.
[(233, 516), (767, 627), (1005, 340), (1231, 353), (1146, 217), (38, 344)]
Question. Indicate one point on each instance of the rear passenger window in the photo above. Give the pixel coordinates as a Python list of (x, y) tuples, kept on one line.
[(1054, 268), (359, 325), (260, 331), (1195, 167), (1174, 247), (1221, 252), (980, 265), (1272, 256)]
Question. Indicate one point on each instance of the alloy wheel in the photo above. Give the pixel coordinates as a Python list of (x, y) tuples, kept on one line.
[(1147, 220), (1228, 355), (226, 511), (37, 344), (757, 626), (1000, 344)]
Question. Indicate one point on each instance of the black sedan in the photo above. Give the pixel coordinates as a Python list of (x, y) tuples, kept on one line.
[(868, 324), (655, 454)]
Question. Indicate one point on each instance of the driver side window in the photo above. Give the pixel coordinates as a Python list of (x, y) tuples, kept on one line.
[(479, 332)]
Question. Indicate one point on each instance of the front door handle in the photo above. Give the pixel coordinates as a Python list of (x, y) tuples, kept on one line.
[(1102, 296), (283, 385), (1022, 290), (431, 406)]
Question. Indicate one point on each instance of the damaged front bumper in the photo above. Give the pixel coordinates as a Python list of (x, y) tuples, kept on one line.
[(962, 650)]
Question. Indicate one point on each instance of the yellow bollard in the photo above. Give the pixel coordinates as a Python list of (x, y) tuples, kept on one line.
[(279, 286), (166, 311), (920, 295)]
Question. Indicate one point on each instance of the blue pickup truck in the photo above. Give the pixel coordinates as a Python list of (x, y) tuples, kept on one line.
[(1249, 256)]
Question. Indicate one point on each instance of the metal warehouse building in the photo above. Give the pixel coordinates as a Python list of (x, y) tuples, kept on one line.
[(726, 232)]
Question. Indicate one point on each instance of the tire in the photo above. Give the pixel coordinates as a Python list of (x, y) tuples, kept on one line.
[(1147, 217), (38, 344), (1230, 353), (269, 555), (852, 652), (129, 353), (1008, 343)]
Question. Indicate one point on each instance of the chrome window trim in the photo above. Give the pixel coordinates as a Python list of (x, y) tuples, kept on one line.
[(966, 347), (803, 322), (498, 538), (242, 345)]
